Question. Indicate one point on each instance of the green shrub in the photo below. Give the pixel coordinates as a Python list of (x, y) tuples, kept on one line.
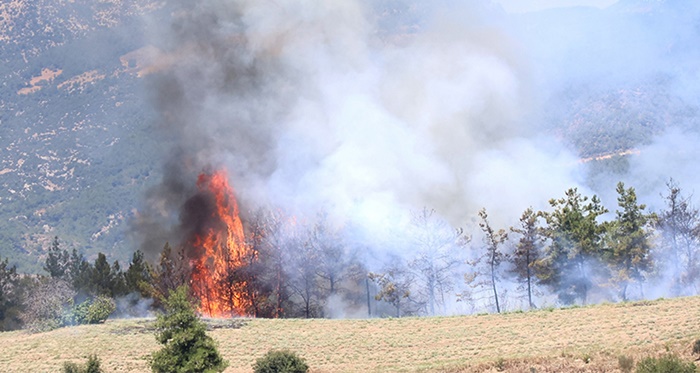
[(280, 361), (94, 311), (665, 364), (500, 364), (71, 367), (586, 358), (626, 363), (696, 347), (186, 347), (92, 366)]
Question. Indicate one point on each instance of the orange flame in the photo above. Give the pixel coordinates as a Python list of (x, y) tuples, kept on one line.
[(217, 271)]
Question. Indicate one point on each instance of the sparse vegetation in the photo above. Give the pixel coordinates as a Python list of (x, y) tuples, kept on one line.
[(665, 364), (280, 361), (696, 347), (625, 363), (91, 366), (545, 341)]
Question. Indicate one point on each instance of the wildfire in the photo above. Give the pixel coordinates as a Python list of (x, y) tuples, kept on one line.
[(220, 251)]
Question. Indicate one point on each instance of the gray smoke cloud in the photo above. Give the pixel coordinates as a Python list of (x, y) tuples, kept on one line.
[(373, 111), (323, 106)]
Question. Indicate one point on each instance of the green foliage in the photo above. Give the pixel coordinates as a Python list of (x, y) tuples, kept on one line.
[(280, 361), (665, 364), (696, 347), (576, 236), (51, 305), (92, 366), (500, 364), (527, 252), (186, 347), (138, 276), (92, 311), (586, 358), (10, 297), (629, 241), (625, 363), (394, 287), (57, 260), (104, 280)]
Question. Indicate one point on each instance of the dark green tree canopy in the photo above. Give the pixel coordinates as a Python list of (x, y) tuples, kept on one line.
[(575, 237), (186, 346)]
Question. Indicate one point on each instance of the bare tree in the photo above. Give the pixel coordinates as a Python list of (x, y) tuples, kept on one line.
[(487, 265), (435, 245), (304, 279), (680, 227), (46, 304), (171, 272), (267, 239), (303, 272), (328, 243)]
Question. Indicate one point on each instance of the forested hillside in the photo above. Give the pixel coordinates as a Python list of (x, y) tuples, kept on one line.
[(77, 152)]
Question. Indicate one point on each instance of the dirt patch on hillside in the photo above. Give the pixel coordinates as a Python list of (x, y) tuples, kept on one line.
[(38, 82), (80, 82)]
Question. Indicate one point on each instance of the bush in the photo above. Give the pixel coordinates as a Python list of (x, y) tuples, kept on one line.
[(665, 364), (626, 363), (186, 347), (92, 366), (93, 311), (696, 347), (280, 361)]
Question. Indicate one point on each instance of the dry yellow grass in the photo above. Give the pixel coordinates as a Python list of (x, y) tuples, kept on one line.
[(547, 340)]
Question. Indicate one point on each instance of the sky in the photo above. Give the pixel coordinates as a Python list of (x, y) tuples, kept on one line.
[(532, 5)]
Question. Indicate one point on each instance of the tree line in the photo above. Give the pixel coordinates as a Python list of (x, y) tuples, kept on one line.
[(568, 254)]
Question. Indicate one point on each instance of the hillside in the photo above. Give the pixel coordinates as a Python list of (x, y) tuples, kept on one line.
[(588, 339), (77, 153)]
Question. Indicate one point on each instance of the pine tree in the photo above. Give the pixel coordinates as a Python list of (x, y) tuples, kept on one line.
[(103, 278), (138, 275), (57, 260), (630, 241), (10, 299), (527, 252), (79, 273), (186, 347), (576, 239)]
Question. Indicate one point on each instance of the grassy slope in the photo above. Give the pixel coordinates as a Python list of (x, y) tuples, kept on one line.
[(549, 340)]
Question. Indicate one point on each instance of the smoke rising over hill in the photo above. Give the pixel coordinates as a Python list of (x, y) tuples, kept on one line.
[(370, 112), (313, 107)]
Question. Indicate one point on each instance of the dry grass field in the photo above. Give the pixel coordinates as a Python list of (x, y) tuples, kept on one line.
[(587, 339)]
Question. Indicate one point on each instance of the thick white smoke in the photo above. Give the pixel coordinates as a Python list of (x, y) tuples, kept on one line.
[(326, 110)]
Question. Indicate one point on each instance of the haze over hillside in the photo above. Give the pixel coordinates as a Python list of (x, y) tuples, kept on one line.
[(489, 98)]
